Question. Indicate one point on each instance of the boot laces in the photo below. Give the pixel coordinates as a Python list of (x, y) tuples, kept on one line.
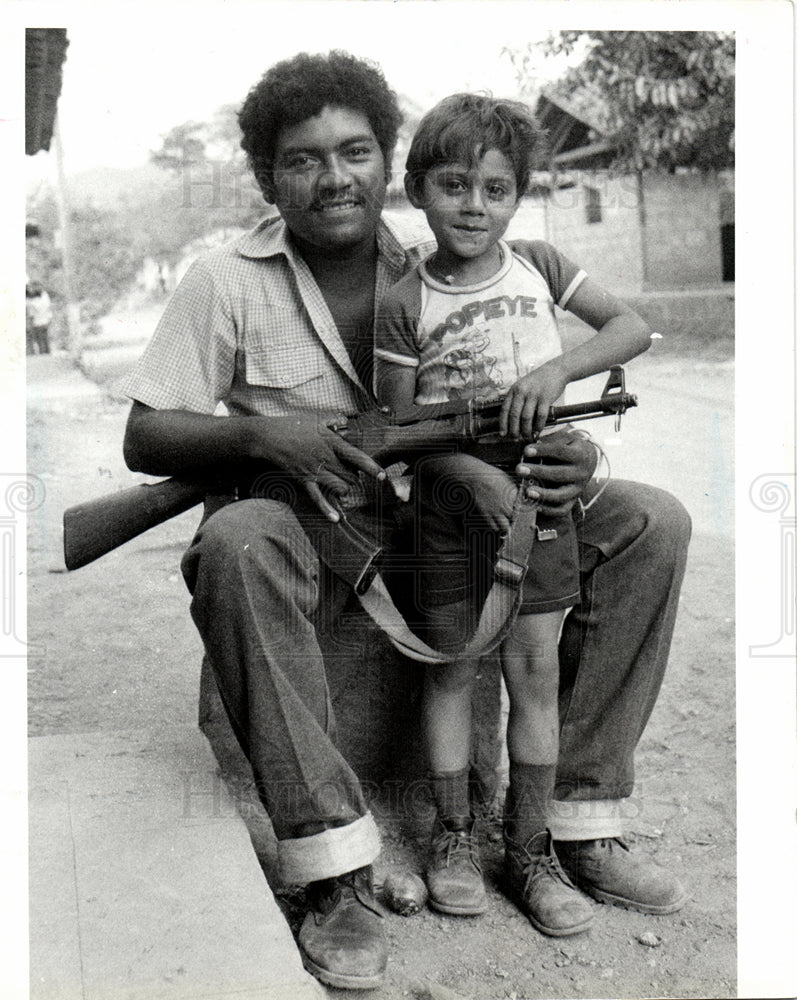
[(454, 845), (545, 863), (357, 879), (328, 893)]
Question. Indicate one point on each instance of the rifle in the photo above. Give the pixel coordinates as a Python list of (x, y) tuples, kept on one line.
[(98, 526)]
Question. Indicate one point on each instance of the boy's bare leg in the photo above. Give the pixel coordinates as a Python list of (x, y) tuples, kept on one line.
[(530, 663), (453, 874)]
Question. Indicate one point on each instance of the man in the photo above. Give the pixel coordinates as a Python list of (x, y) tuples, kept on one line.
[(38, 316), (278, 327)]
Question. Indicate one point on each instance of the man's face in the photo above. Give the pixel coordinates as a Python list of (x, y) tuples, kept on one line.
[(329, 179)]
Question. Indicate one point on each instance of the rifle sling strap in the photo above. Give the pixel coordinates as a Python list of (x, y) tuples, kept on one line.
[(500, 607), (354, 558)]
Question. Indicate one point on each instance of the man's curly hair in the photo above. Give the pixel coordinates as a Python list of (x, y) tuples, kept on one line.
[(299, 88)]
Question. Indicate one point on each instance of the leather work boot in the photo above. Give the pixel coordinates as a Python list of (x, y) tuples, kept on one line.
[(610, 873), (341, 940), (454, 873), (541, 889)]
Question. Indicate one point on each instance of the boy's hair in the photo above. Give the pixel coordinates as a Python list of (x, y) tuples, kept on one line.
[(463, 127), (300, 88)]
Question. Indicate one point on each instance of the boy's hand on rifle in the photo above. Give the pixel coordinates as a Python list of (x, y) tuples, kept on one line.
[(526, 405), (306, 448), (561, 465)]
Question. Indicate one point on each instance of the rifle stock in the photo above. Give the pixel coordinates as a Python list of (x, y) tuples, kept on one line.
[(96, 527)]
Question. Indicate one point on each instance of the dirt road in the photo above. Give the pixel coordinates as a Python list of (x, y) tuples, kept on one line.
[(113, 647)]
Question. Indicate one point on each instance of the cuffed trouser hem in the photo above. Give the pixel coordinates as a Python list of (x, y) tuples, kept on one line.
[(585, 819), (335, 851)]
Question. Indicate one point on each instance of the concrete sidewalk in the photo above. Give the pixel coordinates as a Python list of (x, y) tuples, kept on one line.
[(54, 380), (143, 881)]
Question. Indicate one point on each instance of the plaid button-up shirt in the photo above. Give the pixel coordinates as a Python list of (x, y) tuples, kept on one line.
[(248, 327)]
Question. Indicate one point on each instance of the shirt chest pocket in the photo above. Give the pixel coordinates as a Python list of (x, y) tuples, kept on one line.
[(284, 366)]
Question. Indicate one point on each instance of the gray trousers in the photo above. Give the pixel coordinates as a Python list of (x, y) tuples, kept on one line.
[(258, 596)]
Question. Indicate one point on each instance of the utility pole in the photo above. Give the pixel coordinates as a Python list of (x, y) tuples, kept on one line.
[(67, 256), (642, 216)]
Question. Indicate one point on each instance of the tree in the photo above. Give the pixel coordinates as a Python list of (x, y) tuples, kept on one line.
[(183, 146), (196, 143), (666, 98), (105, 258), (214, 189)]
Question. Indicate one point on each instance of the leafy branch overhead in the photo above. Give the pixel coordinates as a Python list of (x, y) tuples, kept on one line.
[(663, 98), (198, 143)]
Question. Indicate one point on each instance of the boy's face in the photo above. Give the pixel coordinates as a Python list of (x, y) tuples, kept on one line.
[(469, 208), (329, 179)]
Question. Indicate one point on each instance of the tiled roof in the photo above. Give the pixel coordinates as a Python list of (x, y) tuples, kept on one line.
[(583, 103), (45, 51)]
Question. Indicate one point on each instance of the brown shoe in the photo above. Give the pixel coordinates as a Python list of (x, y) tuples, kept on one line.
[(454, 873), (541, 889), (610, 873), (341, 940)]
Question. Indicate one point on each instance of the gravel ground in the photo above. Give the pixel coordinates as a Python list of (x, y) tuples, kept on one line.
[(121, 652)]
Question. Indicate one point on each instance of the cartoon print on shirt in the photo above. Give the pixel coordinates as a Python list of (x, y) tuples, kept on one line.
[(469, 371)]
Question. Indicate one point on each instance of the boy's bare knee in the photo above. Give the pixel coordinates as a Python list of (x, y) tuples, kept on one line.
[(451, 677)]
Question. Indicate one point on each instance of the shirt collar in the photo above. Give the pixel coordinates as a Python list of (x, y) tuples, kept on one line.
[(271, 237), (389, 244)]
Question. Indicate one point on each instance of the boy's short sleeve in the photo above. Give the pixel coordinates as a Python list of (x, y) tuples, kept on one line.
[(561, 274), (395, 337), (190, 362)]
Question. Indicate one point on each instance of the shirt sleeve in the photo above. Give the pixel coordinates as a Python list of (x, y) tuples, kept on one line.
[(190, 362), (561, 274), (395, 338)]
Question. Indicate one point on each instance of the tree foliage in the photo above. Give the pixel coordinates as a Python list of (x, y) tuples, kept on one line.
[(206, 188), (104, 256), (196, 143), (666, 98), (213, 189), (182, 146)]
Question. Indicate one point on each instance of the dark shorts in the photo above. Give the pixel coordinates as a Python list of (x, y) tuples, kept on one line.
[(459, 551)]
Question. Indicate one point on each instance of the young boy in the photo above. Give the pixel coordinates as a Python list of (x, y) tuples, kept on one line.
[(476, 319)]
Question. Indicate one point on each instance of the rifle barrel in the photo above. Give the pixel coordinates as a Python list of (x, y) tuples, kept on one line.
[(594, 408), (484, 415)]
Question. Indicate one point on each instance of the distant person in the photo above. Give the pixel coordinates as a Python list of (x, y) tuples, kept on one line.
[(38, 317), (278, 325), (476, 320)]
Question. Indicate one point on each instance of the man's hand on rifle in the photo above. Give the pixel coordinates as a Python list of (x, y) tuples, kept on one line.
[(322, 460), (199, 445), (560, 464)]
